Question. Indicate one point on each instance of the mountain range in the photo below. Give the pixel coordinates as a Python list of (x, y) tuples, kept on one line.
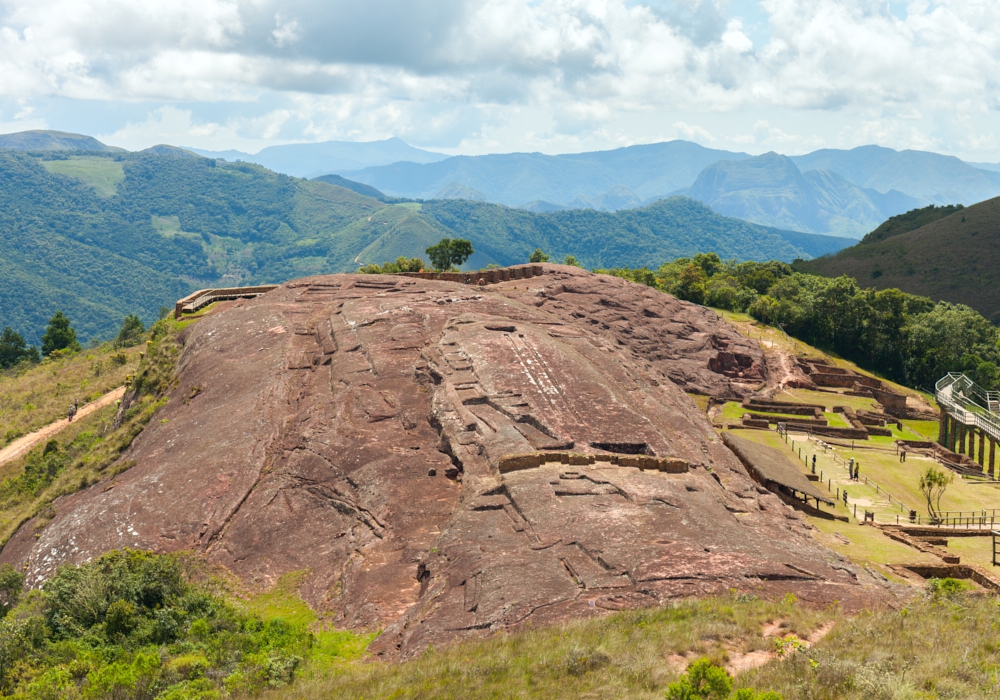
[(326, 157), (831, 192), (100, 234)]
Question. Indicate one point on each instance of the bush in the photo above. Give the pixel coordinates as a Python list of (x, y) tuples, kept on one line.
[(134, 626)]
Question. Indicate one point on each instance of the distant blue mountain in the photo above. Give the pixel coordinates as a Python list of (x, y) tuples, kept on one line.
[(930, 177), (314, 159), (517, 178), (770, 190)]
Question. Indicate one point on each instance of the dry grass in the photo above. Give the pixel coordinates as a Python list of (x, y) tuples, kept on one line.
[(626, 655), (947, 648), (36, 396), (88, 448), (934, 648)]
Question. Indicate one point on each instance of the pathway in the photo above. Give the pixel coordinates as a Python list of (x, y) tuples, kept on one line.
[(26, 442)]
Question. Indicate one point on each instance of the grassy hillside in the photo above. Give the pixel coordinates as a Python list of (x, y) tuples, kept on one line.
[(661, 231), (955, 259)]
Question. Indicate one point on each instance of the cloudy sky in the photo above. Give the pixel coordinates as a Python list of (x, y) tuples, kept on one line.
[(482, 76)]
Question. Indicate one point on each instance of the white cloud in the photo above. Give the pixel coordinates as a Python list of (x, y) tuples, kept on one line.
[(595, 72), (694, 133)]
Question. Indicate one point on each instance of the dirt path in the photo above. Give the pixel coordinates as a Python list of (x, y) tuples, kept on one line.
[(25, 443)]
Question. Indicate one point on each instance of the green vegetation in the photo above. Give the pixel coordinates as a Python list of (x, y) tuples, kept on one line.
[(103, 174), (447, 254), (400, 264), (59, 336), (910, 221), (14, 351), (900, 336), (704, 679), (955, 258), (538, 256), (111, 233), (88, 449), (134, 625), (33, 395), (131, 332)]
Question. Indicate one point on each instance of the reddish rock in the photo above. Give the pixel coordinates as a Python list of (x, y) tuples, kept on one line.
[(356, 426)]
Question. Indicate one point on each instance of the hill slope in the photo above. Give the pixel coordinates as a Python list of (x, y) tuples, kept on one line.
[(103, 235), (44, 140), (956, 259)]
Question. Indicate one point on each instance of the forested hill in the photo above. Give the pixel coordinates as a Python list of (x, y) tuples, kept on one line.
[(100, 235), (953, 258)]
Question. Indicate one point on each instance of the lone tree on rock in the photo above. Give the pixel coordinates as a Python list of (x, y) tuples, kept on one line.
[(449, 253), (59, 335), (538, 256)]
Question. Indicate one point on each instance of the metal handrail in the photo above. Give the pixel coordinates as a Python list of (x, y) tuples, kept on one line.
[(968, 403)]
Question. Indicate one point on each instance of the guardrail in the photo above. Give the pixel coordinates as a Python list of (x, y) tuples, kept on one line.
[(967, 403), (203, 297)]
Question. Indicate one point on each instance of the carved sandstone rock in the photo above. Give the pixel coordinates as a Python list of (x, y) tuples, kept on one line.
[(447, 460)]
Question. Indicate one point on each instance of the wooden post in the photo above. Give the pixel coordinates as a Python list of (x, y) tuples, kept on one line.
[(953, 436), (982, 448), (943, 428), (961, 439), (993, 453)]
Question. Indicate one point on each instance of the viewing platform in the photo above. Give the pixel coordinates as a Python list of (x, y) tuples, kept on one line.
[(968, 411)]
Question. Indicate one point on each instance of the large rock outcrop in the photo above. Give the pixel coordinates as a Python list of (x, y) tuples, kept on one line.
[(447, 460)]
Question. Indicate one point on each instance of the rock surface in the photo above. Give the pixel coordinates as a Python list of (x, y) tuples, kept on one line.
[(373, 430)]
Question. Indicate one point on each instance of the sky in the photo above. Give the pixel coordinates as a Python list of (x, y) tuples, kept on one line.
[(497, 76)]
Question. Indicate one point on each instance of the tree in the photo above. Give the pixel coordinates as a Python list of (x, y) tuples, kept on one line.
[(538, 256), (14, 350), (449, 252), (933, 483), (130, 333), (59, 335), (571, 261), (11, 584)]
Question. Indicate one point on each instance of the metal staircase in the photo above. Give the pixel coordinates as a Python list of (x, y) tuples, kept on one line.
[(968, 404)]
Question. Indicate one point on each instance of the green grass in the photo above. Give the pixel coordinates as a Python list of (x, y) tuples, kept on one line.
[(87, 450), (36, 395), (103, 174), (926, 429), (331, 648)]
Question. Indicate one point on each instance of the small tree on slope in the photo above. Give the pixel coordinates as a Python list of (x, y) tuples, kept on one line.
[(59, 335)]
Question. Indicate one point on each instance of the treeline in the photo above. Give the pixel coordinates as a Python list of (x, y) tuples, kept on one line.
[(906, 338), (60, 340)]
